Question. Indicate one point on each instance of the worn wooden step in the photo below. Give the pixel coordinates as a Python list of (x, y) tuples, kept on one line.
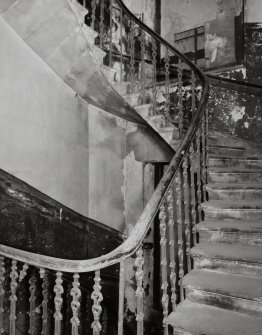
[(198, 319), (156, 121), (228, 151), (238, 210), (144, 110), (234, 231), (241, 259), (234, 191), (234, 292), (231, 175), (132, 99), (236, 162)]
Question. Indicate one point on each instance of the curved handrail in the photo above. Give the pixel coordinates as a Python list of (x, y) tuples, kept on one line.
[(135, 239)]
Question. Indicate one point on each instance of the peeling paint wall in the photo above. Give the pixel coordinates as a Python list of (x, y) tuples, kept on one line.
[(145, 9), (236, 113)]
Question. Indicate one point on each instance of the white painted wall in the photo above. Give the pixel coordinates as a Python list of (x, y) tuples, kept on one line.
[(53, 140)]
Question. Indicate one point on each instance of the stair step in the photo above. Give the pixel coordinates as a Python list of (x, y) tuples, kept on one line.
[(197, 319), (156, 121), (227, 258), (235, 231), (236, 162), (228, 151), (237, 191), (143, 110), (109, 72), (229, 175), (234, 292), (225, 209), (121, 87), (132, 99)]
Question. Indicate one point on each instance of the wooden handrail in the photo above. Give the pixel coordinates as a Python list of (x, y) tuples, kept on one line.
[(135, 239)]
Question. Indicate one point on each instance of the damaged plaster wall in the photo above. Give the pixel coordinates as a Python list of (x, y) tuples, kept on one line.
[(144, 9), (236, 113), (218, 18)]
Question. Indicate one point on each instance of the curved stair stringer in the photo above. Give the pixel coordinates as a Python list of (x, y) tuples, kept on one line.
[(55, 31)]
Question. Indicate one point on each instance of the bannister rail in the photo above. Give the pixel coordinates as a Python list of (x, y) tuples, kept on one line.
[(176, 201)]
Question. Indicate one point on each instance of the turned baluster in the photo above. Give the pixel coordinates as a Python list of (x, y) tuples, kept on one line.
[(187, 207), (23, 272), (163, 257), (139, 274), (75, 304), (203, 170), (207, 148), (111, 32), (97, 298), (154, 89), (193, 92), (179, 205), (132, 56), (13, 297), (93, 15), (167, 86), (32, 300), (102, 24), (172, 265), (143, 72), (58, 289), (45, 316), (180, 97), (121, 298), (193, 192), (198, 174), (2, 293), (121, 46)]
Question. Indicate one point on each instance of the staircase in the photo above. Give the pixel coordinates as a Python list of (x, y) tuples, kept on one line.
[(223, 294), (208, 203)]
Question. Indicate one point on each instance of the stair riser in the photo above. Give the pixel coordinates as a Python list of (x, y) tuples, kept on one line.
[(227, 152), (248, 164), (242, 238), (240, 305), (228, 266), (234, 194), (234, 214), (239, 177)]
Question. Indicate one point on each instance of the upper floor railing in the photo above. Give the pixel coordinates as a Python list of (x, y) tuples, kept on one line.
[(176, 201)]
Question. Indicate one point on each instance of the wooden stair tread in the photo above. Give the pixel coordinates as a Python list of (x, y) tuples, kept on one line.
[(226, 146), (238, 186), (199, 319), (233, 170), (232, 204), (227, 284), (232, 226), (242, 253)]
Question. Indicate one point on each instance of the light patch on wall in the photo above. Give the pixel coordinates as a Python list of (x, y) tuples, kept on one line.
[(213, 44), (238, 113)]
